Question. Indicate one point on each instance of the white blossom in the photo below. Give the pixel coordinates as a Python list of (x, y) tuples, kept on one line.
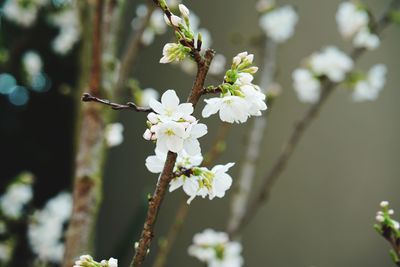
[(331, 62), (368, 89), (279, 23), (155, 163), (68, 23), (212, 183), (146, 95), (365, 39), (45, 231), (169, 107), (384, 204), (23, 14), (184, 10), (215, 249), (174, 52), (170, 136), (88, 261), (114, 134), (217, 65), (307, 87), (15, 199), (231, 108), (33, 63), (239, 98), (350, 19)]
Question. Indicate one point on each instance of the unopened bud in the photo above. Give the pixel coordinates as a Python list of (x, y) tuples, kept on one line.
[(384, 204), (184, 10), (147, 135), (176, 20)]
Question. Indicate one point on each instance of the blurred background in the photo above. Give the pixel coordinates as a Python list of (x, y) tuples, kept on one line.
[(322, 209)]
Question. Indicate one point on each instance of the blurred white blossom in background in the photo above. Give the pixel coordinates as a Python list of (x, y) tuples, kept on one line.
[(46, 229), (353, 22), (14, 200), (368, 89), (114, 134), (215, 249), (279, 23)]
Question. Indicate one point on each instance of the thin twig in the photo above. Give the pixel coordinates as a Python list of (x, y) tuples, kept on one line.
[(203, 64), (298, 131), (128, 106), (87, 180), (248, 169)]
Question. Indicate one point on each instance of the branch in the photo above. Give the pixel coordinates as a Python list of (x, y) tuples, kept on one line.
[(280, 164), (167, 174), (130, 106), (89, 157)]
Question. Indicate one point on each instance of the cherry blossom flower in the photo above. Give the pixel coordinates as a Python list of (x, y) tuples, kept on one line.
[(14, 200), (350, 19), (169, 108), (365, 39), (368, 89), (307, 87), (332, 63), (46, 228), (114, 134), (279, 23)]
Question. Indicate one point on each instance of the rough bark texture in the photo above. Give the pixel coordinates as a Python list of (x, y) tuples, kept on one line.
[(89, 158)]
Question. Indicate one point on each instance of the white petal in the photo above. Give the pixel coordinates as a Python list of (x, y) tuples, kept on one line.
[(212, 107), (169, 99)]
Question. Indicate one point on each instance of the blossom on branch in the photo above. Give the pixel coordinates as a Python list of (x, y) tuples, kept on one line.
[(172, 125), (239, 98), (215, 249), (353, 21), (88, 261), (368, 89)]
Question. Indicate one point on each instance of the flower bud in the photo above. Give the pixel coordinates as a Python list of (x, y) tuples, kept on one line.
[(236, 61), (176, 20), (152, 117), (384, 204), (166, 19), (147, 135), (184, 10), (391, 212), (249, 58), (380, 218)]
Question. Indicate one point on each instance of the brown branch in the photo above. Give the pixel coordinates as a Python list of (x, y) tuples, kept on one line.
[(167, 174), (87, 180), (128, 106), (390, 235), (280, 164), (166, 244)]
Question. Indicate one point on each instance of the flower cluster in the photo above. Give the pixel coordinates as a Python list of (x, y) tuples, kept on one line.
[(23, 13), (389, 229), (368, 88), (239, 98), (278, 23), (16, 197), (45, 230), (194, 180), (215, 249), (186, 37), (87, 261), (353, 21), (172, 125), (68, 23), (331, 63)]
